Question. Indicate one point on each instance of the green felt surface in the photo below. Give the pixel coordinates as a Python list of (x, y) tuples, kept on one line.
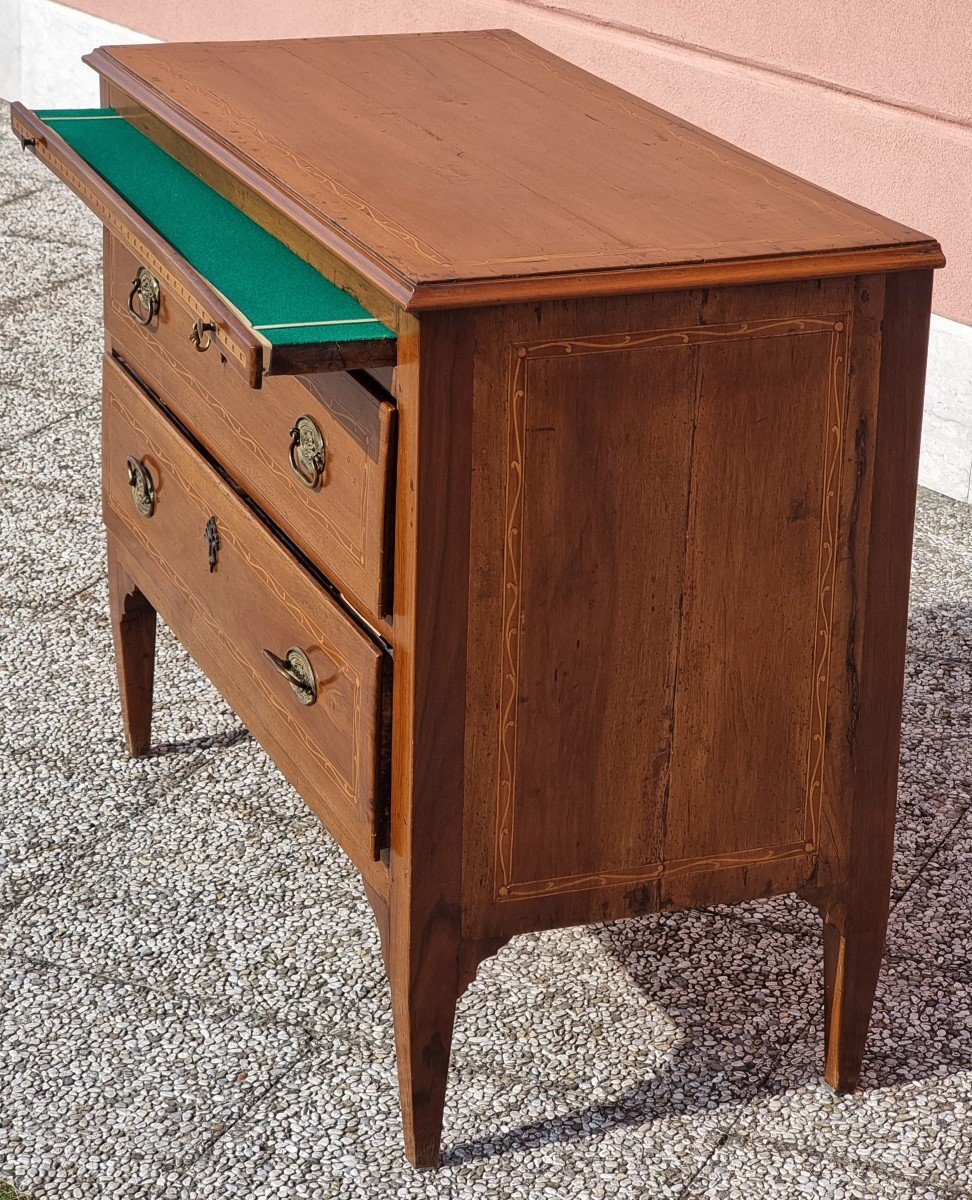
[(258, 274)]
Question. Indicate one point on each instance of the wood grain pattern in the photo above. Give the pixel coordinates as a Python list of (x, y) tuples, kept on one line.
[(755, 643), (571, 553), (342, 525), (257, 598), (427, 161), (739, 394), (856, 899)]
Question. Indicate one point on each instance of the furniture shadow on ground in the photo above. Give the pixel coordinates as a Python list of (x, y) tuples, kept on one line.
[(221, 741), (743, 987)]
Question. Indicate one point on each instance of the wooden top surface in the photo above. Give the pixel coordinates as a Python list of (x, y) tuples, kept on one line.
[(461, 168)]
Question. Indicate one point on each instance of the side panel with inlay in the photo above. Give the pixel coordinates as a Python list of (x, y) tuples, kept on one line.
[(671, 505)]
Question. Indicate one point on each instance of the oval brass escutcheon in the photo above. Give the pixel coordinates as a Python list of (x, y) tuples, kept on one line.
[(143, 489), (307, 451), (143, 300), (297, 670)]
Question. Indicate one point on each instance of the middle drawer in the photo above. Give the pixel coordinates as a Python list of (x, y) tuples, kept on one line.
[(315, 452), (312, 687)]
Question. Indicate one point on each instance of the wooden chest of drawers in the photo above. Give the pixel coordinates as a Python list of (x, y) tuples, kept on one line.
[(532, 472)]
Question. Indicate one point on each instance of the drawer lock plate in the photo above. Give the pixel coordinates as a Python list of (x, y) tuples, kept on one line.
[(211, 534)]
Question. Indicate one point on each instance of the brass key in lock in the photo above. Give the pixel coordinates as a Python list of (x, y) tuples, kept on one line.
[(201, 334), (297, 670)]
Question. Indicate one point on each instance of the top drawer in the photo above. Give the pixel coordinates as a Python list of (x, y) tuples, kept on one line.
[(270, 311)]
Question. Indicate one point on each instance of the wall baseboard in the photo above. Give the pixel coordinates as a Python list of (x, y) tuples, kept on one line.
[(40, 63), (946, 436), (40, 55)]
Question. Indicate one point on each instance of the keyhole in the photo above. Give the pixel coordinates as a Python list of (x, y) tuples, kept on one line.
[(212, 538)]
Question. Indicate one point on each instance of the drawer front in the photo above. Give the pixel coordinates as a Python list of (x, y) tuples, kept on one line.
[(234, 597), (339, 515)]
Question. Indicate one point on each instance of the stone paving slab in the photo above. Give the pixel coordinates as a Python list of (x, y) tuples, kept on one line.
[(42, 204), (192, 1001), (913, 1084), (52, 339), (249, 903), (40, 263), (741, 1169), (932, 925), (127, 1078), (25, 418)]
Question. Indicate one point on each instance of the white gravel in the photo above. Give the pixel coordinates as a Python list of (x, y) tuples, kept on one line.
[(192, 1003)]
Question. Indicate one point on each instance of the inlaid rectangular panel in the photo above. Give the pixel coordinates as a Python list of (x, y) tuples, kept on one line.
[(671, 501)]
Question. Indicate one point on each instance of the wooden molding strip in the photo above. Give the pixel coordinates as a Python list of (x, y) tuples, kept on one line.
[(628, 281), (417, 296)]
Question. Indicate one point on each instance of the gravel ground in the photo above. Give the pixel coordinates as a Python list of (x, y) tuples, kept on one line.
[(192, 1003)]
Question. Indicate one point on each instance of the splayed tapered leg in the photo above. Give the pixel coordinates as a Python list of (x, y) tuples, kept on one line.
[(133, 622)]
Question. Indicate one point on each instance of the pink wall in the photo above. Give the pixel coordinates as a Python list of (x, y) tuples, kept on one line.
[(873, 100)]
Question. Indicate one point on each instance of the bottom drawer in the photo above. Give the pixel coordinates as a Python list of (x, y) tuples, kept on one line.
[(309, 684)]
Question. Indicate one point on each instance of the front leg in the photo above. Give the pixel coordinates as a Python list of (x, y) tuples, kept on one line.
[(424, 985), (133, 623), (429, 714)]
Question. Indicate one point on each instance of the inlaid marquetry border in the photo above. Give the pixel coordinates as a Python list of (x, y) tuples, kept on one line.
[(505, 887)]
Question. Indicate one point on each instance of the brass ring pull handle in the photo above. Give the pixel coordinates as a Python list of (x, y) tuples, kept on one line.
[(143, 489), (307, 451), (202, 330), (297, 670), (146, 287)]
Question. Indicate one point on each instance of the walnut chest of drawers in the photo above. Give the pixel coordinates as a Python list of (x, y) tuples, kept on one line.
[(533, 472)]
